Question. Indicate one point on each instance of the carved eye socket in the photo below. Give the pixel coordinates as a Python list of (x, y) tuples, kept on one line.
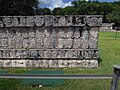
[(55, 19), (78, 20)]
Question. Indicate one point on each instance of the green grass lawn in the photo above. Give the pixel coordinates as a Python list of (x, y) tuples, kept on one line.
[(109, 53)]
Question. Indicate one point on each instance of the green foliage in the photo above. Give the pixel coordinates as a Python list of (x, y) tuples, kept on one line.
[(70, 10), (57, 11), (9, 84), (114, 16), (43, 11), (18, 7)]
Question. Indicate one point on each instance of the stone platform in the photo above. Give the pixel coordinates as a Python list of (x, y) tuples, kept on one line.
[(49, 41)]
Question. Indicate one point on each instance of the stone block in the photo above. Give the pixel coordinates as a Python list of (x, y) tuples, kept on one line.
[(19, 54), (25, 54), (92, 43), (91, 63), (96, 54), (19, 32), (1, 63), (32, 43), (49, 43), (56, 21), (25, 43), (75, 54), (16, 21), (8, 21), (48, 20), (62, 32), (44, 63), (68, 43), (25, 32), (62, 63), (80, 63), (1, 43), (80, 54), (47, 32), (60, 43), (40, 43), (62, 21), (22, 21), (19, 43), (39, 32), (47, 54), (30, 21), (76, 34), (77, 43), (54, 32), (1, 53), (36, 63), (53, 63), (93, 39), (11, 32), (3, 33), (78, 20), (40, 53), (69, 54), (12, 54), (1, 23), (18, 63), (84, 43), (39, 20), (29, 63), (33, 54), (72, 54), (90, 54), (32, 32), (4, 43), (70, 32), (12, 43), (71, 63), (55, 53), (6, 53), (61, 54), (7, 63), (93, 21)]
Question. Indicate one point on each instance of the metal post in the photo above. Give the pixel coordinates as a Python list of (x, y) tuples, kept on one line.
[(114, 83)]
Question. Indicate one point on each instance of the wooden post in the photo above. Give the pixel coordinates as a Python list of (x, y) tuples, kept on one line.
[(114, 83)]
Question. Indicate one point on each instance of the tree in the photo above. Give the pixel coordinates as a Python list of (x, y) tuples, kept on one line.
[(18, 7), (43, 11), (70, 10), (114, 16), (57, 11)]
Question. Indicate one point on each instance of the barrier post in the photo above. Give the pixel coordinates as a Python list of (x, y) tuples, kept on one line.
[(114, 83)]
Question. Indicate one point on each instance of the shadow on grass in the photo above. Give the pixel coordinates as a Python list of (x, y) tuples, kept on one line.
[(99, 60)]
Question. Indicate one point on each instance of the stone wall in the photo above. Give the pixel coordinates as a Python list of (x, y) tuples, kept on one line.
[(49, 41), (106, 27)]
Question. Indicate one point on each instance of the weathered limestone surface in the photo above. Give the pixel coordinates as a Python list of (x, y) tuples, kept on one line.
[(49, 41), (107, 27)]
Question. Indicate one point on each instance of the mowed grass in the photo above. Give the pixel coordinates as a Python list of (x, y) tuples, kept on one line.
[(109, 53)]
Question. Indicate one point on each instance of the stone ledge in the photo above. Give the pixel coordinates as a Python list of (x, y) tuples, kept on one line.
[(49, 20), (49, 63)]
